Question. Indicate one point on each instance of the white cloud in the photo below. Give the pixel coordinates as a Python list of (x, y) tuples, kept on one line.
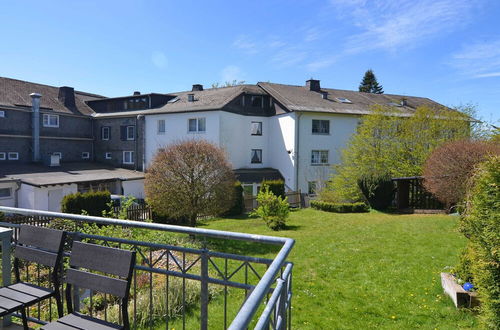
[(321, 63), (395, 24), (159, 59), (479, 59), (246, 44), (312, 34), (288, 57), (230, 73)]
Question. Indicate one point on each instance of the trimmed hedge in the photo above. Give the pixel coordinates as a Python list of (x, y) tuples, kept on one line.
[(481, 226), (238, 202), (277, 187), (340, 207), (92, 202)]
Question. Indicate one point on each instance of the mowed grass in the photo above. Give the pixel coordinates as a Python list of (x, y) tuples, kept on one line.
[(359, 271)]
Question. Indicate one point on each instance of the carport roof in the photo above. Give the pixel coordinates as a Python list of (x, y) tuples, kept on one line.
[(40, 175)]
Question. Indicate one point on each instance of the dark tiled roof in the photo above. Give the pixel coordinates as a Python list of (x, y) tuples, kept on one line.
[(300, 98), (207, 99), (251, 175), (40, 175), (16, 93)]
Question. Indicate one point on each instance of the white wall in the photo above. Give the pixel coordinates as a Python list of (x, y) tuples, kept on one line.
[(176, 128), (133, 188), (282, 146), (9, 201), (37, 198), (341, 129), (237, 140)]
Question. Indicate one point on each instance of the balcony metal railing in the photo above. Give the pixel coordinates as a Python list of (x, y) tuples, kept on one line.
[(219, 276)]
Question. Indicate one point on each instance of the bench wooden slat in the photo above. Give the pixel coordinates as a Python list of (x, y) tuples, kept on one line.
[(86, 322), (9, 304), (96, 282), (101, 258), (57, 326), (36, 255), (31, 290), (17, 296), (44, 238)]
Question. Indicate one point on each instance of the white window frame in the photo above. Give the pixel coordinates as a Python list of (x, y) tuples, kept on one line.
[(103, 129), (13, 155), (108, 155), (58, 153), (2, 114), (10, 193), (320, 157), (320, 133), (198, 120), (161, 124), (3, 156), (85, 155), (131, 153), (47, 120), (130, 129)]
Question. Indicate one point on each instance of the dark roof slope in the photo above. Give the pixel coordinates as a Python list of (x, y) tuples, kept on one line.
[(300, 98), (16, 93), (207, 99)]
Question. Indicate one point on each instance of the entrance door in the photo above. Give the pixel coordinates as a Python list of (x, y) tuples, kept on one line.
[(55, 197)]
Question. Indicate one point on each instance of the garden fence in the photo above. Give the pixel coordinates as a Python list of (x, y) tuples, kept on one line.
[(174, 283)]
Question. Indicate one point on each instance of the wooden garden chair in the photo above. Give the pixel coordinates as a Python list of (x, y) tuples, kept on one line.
[(85, 260), (39, 245)]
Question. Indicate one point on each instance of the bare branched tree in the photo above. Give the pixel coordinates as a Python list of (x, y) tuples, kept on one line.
[(449, 168), (189, 179)]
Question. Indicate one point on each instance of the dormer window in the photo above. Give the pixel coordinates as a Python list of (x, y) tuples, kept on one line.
[(50, 120), (257, 101), (137, 103)]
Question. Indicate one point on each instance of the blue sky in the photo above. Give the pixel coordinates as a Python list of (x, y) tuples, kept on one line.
[(447, 50)]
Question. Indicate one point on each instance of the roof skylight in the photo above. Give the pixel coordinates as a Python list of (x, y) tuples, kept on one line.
[(343, 100), (175, 99)]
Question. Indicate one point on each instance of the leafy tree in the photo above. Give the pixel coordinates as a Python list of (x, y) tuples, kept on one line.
[(449, 167), (369, 84), (389, 143), (228, 83), (190, 179)]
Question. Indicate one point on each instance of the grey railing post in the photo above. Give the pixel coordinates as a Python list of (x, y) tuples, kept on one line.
[(204, 291), (6, 237)]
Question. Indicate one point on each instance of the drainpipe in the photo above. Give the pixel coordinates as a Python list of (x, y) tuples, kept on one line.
[(35, 125), (297, 140)]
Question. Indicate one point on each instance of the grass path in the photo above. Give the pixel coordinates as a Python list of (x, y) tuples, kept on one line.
[(359, 271)]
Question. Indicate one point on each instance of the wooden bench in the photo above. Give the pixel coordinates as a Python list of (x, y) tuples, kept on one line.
[(85, 260), (43, 246)]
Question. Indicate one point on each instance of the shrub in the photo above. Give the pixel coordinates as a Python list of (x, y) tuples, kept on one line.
[(447, 169), (274, 210), (238, 202), (92, 202), (378, 190), (277, 187), (481, 225), (340, 207), (2, 216)]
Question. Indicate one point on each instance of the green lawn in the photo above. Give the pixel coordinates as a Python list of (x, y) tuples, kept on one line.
[(358, 271)]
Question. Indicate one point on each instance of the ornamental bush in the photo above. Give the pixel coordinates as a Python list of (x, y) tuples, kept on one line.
[(238, 202), (481, 225), (92, 203), (274, 210), (340, 207)]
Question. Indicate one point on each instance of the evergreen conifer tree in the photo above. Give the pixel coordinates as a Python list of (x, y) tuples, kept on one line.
[(369, 84)]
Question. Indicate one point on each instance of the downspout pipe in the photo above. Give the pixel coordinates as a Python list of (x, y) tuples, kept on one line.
[(35, 125)]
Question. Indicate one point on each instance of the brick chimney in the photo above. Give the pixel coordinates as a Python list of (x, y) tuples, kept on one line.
[(313, 85), (67, 96), (197, 88)]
